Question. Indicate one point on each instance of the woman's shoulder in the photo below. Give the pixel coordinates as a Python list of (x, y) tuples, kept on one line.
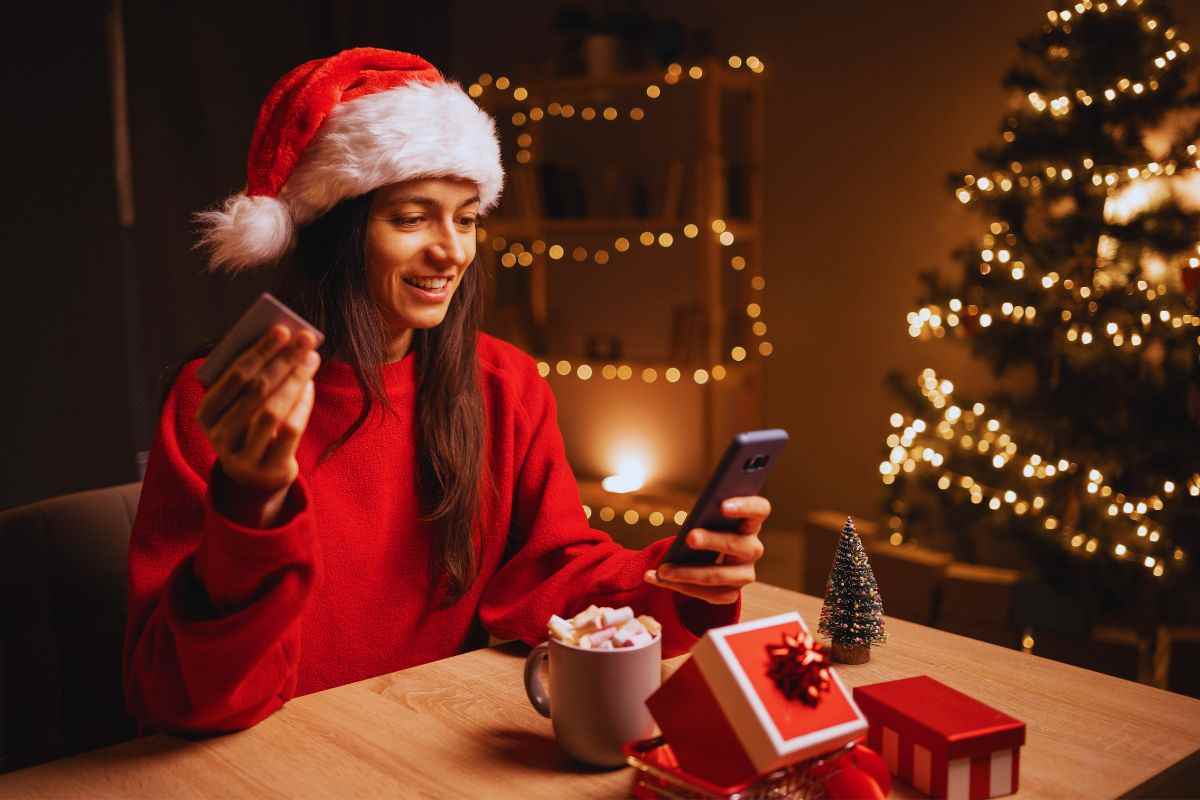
[(497, 355), (504, 364), (187, 381), (184, 391)]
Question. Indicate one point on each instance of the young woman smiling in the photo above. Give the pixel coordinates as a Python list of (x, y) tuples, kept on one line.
[(316, 518)]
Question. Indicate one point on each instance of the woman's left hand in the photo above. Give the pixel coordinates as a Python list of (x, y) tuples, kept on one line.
[(721, 583)]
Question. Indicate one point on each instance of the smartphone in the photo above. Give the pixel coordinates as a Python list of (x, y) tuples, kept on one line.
[(740, 473), (265, 312)]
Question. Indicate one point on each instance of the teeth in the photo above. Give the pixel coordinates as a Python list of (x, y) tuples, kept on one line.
[(427, 283)]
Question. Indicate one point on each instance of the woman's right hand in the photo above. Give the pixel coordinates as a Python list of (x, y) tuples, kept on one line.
[(254, 415)]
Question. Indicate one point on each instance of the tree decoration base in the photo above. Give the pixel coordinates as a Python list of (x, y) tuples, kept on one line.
[(851, 653)]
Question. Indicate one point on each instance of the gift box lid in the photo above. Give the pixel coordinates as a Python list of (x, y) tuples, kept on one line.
[(771, 727), (939, 717)]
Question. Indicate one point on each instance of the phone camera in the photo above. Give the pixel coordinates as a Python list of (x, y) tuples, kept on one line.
[(755, 463)]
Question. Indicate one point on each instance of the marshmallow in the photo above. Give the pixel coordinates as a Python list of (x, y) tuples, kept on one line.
[(640, 639), (604, 628), (626, 633), (589, 618), (596, 637), (561, 629), (617, 616), (651, 625)]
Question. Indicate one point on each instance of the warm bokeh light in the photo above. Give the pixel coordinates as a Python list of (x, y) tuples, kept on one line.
[(631, 472)]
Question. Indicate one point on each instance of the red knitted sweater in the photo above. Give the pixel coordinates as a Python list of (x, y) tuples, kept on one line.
[(226, 623)]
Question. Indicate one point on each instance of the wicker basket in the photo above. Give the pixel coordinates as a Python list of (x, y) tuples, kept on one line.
[(658, 776)]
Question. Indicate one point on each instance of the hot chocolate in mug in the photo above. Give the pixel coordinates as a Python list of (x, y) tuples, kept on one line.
[(596, 698)]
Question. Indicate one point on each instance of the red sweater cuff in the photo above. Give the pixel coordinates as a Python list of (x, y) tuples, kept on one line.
[(233, 561), (699, 616)]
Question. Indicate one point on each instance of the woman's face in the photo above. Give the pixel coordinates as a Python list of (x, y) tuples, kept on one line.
[(420, 242)]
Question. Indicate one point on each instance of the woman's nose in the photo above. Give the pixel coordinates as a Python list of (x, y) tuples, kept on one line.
[(448, 247)]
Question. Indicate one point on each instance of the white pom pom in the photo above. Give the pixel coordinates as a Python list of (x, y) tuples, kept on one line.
[(246, 232)]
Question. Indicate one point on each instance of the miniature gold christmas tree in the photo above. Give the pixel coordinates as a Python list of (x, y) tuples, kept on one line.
[(852, 615)]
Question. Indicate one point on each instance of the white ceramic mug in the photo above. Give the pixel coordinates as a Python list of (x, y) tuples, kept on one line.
[(597, 698)]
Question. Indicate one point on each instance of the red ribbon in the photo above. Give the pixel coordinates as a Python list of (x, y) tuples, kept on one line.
[(800, 668)]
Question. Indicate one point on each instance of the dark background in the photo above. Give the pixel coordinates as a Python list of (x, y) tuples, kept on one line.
[(869, 106)]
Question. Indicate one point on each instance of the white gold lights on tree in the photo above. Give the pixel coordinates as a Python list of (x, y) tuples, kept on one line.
[(916, 444), (1124, 87), (1001, 257)]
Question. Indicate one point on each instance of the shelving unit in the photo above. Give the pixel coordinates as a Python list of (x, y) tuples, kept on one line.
[(735, 402)]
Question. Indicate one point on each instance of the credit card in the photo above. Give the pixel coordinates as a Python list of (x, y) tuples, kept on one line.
[(265, 312)]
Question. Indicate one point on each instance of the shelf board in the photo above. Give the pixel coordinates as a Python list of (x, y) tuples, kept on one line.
[(629, 226), (664, 499), (732, 367), (542, 90)]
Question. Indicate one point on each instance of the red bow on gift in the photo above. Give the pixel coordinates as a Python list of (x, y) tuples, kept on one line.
[(800, 668)]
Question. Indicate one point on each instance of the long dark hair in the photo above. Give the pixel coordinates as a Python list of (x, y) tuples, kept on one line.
[(324, 280)]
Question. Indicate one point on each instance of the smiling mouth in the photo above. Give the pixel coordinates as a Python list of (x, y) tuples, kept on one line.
[(428, 284)]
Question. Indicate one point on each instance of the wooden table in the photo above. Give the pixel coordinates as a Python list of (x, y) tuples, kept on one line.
[(462, 727)]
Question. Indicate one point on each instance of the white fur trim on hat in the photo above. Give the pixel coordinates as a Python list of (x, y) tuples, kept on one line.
[(247, 231), (418, 130)]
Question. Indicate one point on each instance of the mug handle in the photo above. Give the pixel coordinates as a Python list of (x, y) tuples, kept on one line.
[(534, 687)]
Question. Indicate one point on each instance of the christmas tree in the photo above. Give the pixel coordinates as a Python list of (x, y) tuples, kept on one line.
[(1083, 466), (852, 614)]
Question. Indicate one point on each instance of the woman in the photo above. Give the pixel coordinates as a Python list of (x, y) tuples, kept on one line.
[(313, 519)]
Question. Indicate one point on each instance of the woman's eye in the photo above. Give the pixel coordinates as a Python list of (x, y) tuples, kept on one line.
[(407, 220), (467, 221)]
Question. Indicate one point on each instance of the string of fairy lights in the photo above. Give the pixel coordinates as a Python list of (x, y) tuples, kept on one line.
[(1124, 86), (632, 516), (1020, 176), (998, 249), (673, 75), (516, 254), (915, 444)]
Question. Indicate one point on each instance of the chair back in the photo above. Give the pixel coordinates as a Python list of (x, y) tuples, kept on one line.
[(62, 621)]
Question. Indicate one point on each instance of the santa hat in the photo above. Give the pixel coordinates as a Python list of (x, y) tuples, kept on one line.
[(338, 127)]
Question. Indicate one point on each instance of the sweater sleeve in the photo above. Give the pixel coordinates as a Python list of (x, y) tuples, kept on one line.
[(212, 637), (559, 565)]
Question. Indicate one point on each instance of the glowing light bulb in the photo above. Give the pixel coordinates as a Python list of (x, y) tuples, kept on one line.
[(630, 475)]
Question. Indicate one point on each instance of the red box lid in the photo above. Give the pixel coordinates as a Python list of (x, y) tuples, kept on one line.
[(939, 717), (772, 729)]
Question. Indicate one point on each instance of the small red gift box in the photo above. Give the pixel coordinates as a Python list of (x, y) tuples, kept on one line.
[(727, 720), (943, 742)]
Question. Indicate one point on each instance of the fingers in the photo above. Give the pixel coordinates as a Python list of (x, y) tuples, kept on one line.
[(755, 507), (234, 380), (283, 449), (232, 430), (744, 546), (256, 413), (270, 418), (723, 575), (717, 595)]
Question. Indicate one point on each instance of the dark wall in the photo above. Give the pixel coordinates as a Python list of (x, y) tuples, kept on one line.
[(60, 323), (197, 73), (869, 106)]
